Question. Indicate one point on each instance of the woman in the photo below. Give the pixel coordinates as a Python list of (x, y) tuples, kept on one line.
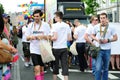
[(14, 37), (3, 45)]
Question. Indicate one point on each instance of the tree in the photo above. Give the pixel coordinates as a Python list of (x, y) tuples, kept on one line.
[(91, 7), (1, 9)]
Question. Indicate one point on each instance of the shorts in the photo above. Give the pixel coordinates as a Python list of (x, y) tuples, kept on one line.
[(26, 49), (37, 60), (62, 55)]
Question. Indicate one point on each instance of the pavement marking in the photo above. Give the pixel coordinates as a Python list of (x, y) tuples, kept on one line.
[(16, 71), (60, 75), (111, 76), (22, 58)]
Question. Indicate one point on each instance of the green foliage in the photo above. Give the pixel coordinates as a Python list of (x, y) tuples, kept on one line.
[(91, 6), (1, 9)]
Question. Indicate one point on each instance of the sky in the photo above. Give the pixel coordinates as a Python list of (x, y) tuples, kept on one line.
[(12, 5)]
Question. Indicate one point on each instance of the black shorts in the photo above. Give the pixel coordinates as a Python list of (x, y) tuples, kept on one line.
[(26, 49), (37, 60), (62, 55)]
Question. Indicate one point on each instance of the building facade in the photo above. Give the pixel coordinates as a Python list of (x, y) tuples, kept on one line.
[(111, 7)]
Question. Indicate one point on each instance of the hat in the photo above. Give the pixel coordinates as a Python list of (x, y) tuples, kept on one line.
[(5, 15)]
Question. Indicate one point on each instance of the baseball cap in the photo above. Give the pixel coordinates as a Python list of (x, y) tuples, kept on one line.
[(5, 15)]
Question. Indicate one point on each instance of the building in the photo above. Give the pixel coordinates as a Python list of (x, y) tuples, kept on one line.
[(111, 7)]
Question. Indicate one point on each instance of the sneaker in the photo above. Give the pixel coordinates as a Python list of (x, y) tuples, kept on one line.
[(26, 64), (30, 64)]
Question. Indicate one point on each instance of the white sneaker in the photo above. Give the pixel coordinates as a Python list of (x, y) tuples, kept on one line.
[(26, 64)]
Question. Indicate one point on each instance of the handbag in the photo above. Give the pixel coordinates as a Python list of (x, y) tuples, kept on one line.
[(93, 51), (5, 56), (73, 48), (46, 51)]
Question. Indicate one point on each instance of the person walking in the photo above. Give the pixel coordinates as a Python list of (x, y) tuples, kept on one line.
[(26, 45), (80, 44), (105, 34), (87, 36), (61, 34), (14, 37), (36, 31)]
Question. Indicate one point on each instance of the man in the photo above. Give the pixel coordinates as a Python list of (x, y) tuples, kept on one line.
[(26, 45), (79, 33), (61, 34), (36, 31), (87, 36), (105, 34)]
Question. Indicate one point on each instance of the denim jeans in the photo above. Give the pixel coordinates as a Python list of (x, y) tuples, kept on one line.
[(102, 65), (0, 74), (93, 66)]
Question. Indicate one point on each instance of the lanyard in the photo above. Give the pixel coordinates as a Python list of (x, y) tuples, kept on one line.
[(103, 33)]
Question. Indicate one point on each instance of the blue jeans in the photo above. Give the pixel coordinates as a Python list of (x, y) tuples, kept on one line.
[(102, 65), (93, 66), (0, 74)]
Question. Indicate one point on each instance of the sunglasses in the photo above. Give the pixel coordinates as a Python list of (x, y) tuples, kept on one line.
[(95, 19)]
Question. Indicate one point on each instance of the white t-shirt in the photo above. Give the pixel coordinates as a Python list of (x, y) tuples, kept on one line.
[(44, 30), (110, 32), (89, 31), (24, 28), (80, 32), (62, 29)]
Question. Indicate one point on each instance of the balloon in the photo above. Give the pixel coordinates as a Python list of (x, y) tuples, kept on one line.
[(31, 2), (25, 17)]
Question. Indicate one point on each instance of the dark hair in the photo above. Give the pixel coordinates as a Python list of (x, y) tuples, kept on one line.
[(38, 11), (103, 14), (1, 24), (59, 14)]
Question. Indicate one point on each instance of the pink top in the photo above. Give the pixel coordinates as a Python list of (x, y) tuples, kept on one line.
[(6, 31)]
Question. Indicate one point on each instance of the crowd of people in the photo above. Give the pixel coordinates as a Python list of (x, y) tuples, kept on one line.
[(62, 34)]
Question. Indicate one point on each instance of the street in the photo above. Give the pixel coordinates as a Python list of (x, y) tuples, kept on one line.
[(20, 72)]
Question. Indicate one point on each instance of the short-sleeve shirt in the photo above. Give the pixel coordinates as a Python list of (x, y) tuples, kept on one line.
[(24, 29), (89, 31), (109, 34), (62, 29), (80, 32), (43, 30)]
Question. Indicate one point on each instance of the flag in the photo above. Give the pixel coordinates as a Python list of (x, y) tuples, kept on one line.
[(15, 57)]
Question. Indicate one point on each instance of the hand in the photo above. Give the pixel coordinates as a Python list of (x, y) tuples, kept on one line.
[(33, 37), (40, 37), (103, 41), (13, 50)]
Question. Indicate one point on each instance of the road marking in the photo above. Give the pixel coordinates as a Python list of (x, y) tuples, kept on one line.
[(16, 71), (111, 76), (22, 58), (60, 75)]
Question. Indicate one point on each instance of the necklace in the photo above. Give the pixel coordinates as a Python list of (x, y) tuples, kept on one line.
[(40, 23)]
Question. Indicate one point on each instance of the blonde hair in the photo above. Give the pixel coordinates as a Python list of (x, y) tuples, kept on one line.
[(92, 18)]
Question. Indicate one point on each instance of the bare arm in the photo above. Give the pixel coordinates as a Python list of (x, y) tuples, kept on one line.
[(86, 36), (75, 36), (69, 37), (7, 47), (54, 37)]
